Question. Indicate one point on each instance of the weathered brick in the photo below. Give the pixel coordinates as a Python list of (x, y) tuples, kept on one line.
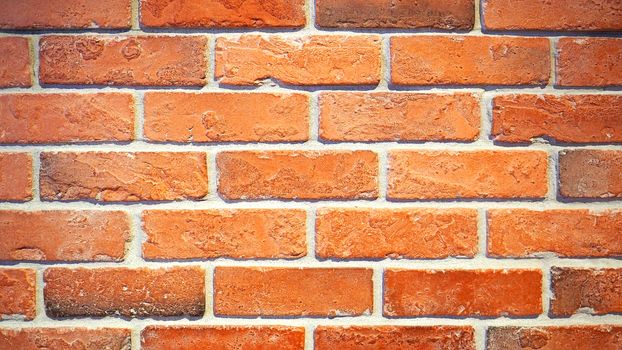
[(304, 60), (589, 173), (589, 62), (469, 60), (422, 174), (115, 176), (315, 292), (17, 294), (603, 337), (65, 338), (62, 235), (355, 116), (67, 117), (14, 62), (396, 233), (223, 13), (234, 233), (462, 293), (310, 175), (15, 177), (123, 60), (226, 117), (568, 233), (142, 292)]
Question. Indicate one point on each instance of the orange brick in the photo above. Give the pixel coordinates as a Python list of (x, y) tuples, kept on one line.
[(63, 235), (67, 117), (468, 174), (226, 117), (462, 293), (355, 116), (567, 233), (310, 175), (223, 14), (436, 14), (230, 337), (235, 233), (604, 337), (555, 15), (64, 14), (80, 292), (116, 176), (589, 62), (394, 338), (316, 292), (590, 173), (396, 233), (123, 60), (14, 62), (15, 177), (65, 338), (591, 291), (469, 60), (310, 60), (17, 294), (565, 118)]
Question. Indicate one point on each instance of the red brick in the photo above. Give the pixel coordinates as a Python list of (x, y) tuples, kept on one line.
[(226, 117), (67, 117), (14, 62), (17, 294), (234, 233), (462, 293), (591, 291), (356, 116), (15, 177), (230, 337), (603, 337), (553, 15), (116, 176), (80, 292), (64, 14), (394, 338), (568, 233), (309, 175), (589, 62), (304, 60), (590, 173), (223, 13), (467, 174), (435, 14), (123, 60), (564, 118), (396, 233), (469, 60), (65, 338), (63, 235), (315, 292)]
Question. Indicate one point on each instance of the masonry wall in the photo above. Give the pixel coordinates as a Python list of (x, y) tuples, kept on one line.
[(300, 174)]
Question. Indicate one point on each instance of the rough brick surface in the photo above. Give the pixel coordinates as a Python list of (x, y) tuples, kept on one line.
[(605, 337), (14, 62), (567, 233), (226, 117), (422, 175), (222, 13), (303, 60), (462, 293), (143, 292), (437, 14), (558, 118), (65, 14), (66, 118), (469, 60), (17, 294), (114, 177), (239, 234), (347, 116), (590, 291), (15, 176), (310, 175), (266, 292), (395, 233), (123, 60), (65, 338), (231, 337), (590, 174), (589, 62)]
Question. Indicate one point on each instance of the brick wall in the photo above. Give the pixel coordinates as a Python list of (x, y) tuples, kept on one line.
[(311, 174)]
